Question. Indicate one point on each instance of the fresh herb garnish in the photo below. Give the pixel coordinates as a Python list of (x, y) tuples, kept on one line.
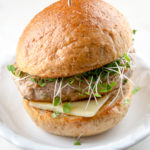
[(67, 107), (136, 90), (125, 81), (126, 101), (27, 98), (92, 86), (114, 65), (99, 85), (50, 79), (41, 82), (97, 95), (80, 94), (127, 58), (32, 79), (103, 90), (127, 65), (134, 31), (104, 75), (107, 87), (81, 80), (19, 74), (77, 142), (55, 114), (57, 101), (70, 80), (112, 84), (87, 93), (11, 68)]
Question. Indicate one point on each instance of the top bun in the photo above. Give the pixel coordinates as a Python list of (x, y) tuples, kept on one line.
[(64, 40)]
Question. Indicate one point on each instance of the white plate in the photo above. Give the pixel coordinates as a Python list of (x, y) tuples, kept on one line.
[(16, 126)]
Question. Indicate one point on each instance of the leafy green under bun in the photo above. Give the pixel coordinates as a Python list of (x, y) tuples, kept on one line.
[(11, 68), (55, 114), (134, 31), (56, 101), (67, 107), (77, 142), (41, 82), (32, 79), (137, 89)]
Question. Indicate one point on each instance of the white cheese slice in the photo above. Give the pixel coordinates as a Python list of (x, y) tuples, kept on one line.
[(78, 108)]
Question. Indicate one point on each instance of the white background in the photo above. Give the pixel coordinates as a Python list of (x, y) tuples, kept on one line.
[(15, 15)]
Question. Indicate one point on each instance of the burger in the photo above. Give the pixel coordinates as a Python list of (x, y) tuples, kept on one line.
[(73, 66)]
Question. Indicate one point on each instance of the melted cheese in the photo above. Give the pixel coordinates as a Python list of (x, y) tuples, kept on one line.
[(78, 108)]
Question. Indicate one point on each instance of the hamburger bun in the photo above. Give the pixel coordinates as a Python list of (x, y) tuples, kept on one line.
[(64, 40), (66, 125)]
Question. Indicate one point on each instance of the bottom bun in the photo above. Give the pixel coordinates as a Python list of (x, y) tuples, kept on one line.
[(66, 125)]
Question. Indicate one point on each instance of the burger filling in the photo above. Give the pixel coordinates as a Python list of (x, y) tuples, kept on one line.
[(95, 84)]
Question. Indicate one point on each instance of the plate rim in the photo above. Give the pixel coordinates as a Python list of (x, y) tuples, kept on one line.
[(22, 142), (25, 143)]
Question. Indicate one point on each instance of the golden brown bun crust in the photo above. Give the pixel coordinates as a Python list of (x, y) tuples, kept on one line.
[(63, 41), (66, 125)]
